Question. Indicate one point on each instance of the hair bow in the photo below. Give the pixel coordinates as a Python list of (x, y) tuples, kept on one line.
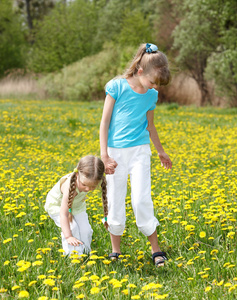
[(151, 48)]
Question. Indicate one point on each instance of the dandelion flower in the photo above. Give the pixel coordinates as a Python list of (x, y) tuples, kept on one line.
[(49, 282), (202, 234), (94, 290), (23, 294), (32, 282)]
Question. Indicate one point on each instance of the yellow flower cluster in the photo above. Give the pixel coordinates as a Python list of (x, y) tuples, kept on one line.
[(195, 203)]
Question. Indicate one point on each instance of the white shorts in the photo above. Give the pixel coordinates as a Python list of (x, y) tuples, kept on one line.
[(81, 229), (134, 161)]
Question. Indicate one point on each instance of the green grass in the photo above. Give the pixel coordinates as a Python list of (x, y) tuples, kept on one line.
[(43, 140)]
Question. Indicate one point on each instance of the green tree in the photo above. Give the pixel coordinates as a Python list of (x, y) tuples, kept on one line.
[(64, 36), (206, 35), (135, 29), (13, 45), (35, 9), (124, 22)]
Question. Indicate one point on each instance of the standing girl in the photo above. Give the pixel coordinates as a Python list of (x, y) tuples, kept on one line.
[(125, 131), (65, 203)]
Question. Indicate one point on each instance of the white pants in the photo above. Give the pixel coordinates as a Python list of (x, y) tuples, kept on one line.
[(134, 161), (81, 229)]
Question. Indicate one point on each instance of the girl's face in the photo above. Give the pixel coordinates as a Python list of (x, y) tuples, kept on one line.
[(86, 185), (148, 81)]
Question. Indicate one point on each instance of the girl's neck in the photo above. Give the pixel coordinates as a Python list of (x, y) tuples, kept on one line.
[(135, 85)]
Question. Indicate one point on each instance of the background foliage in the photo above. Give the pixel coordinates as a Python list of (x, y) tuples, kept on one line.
[(199, 37)]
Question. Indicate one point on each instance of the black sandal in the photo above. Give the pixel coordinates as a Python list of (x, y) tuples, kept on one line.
[(161, 260), (114, 255)]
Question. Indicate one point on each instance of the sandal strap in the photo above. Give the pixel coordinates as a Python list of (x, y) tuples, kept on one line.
[(162, 254), (114, 254)]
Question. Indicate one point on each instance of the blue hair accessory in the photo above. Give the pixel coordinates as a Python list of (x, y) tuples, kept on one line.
[(70, 210), (105, 219), (151, 48)]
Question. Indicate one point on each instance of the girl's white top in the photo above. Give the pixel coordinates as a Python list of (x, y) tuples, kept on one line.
[(55, 196)]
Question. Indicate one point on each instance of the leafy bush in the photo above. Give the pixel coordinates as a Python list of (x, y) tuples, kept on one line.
[(12, 41), (85, 79), (64, 36)]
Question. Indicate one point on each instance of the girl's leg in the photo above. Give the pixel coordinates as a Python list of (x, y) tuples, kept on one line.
[(83, 231), (139, 170), (86, 233), (116, 193), (115, 241), (141, 196), (154, 246)]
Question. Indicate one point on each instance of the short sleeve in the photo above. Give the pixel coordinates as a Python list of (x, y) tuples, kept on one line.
[(111, 88), (155, 97)]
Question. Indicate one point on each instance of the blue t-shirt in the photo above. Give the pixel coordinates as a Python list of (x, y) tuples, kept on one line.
[(129, 121)]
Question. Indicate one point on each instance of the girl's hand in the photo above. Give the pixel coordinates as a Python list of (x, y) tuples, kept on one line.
[(110, 165), (73, 241), (165, 160)]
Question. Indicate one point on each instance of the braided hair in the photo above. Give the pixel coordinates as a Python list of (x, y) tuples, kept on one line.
[(92, 168)]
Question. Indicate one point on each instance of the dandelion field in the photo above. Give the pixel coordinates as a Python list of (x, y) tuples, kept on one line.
[(195, 203)]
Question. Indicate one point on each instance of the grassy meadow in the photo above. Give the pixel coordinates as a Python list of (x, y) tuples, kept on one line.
[(195, 203)]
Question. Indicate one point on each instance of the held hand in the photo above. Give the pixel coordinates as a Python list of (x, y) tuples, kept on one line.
[(165, 160), (73, 241), (110, 165)]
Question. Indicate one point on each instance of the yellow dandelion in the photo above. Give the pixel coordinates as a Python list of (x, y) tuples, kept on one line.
[(23, 294), (220, 283), (49, 282), (84, 278), (202, 234), (81, 296), (15, 287), (227, 284), (94, 290), (214, 251), (125, 292), (106, 261), (207, 289), (232, 288), (37, 263), (32, 282), (78, 285), (161, 296), (94, 277), (90, 263), (75, 261), (135, 297), (131, 285)]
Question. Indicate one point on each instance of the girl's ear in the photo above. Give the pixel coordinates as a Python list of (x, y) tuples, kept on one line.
[(140, 71)]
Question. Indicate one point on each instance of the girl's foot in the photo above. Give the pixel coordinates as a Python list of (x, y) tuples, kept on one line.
[(159, 258), (114, 255)]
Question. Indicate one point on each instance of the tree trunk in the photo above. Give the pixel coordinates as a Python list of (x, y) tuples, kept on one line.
[(29, 18)]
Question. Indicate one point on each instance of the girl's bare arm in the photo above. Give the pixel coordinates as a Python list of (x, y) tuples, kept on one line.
[(110, 163), (164, 158), (64, 220)]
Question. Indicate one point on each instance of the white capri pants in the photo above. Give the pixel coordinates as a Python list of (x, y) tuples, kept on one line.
[(81, 229), (134, 161)]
